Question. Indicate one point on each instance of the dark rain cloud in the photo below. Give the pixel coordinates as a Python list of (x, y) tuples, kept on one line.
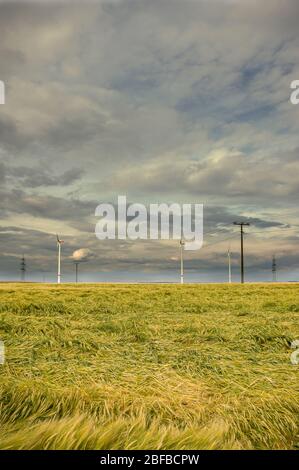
[(163, 101)]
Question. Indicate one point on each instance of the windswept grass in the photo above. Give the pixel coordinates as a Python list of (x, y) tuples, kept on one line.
[(149, 367)]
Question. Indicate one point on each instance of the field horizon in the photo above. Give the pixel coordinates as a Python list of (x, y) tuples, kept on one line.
[(149, 366)]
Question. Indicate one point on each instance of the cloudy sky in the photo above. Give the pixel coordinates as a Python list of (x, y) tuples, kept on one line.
[(159, 100)]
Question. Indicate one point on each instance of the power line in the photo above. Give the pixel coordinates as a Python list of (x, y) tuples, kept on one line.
[(233, 234), (281, 230), (220, 241), (216, 232)]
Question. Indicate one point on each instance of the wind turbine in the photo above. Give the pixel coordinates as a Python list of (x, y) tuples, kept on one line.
[(229, 266), (59, 243), (182, 244)]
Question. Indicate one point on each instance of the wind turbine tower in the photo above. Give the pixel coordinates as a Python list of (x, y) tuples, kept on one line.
[(59, 243), (229, 266), (182, 244)]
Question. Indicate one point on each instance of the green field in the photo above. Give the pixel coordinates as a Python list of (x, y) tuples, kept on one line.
[(149, 367)]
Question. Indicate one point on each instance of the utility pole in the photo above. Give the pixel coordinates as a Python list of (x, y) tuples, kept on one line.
[(229, 267), (274, 269), (76, 267), (241, 225), (23, 268), (182, 244)]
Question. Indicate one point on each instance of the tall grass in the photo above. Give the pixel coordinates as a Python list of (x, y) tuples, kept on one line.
[(149, 367)]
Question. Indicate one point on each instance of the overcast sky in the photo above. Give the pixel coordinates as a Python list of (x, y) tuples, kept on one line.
[(159, 100)]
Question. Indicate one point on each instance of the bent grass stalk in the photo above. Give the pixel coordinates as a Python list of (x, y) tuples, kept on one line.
[(149, 367)]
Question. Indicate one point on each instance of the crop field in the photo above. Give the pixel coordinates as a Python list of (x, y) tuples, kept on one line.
[(149, 366)]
